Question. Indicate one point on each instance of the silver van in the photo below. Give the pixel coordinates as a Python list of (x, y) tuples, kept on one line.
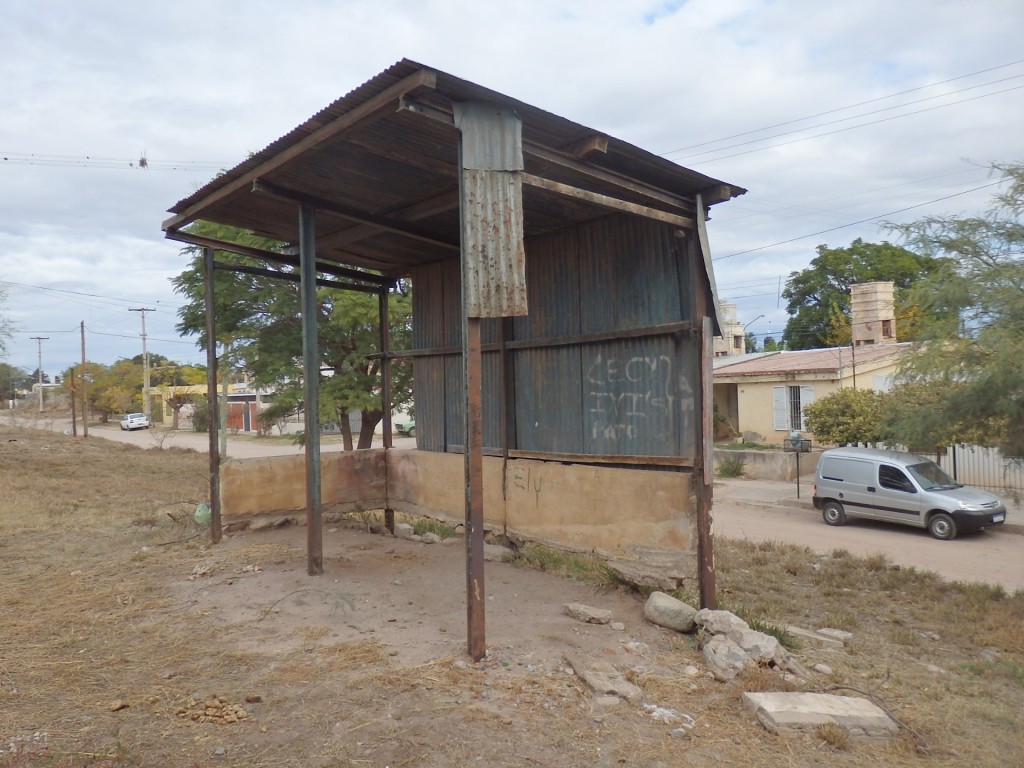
[(900, 488)]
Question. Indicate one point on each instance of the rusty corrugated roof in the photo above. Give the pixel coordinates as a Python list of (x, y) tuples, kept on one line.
[(380, 165), (811, 361)]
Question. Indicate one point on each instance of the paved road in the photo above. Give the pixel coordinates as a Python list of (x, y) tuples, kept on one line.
[(767, 511)]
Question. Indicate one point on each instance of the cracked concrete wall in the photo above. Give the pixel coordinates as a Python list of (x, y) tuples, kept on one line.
[(630, 515)]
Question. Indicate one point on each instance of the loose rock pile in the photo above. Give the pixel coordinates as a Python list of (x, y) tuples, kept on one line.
[(212, 710)]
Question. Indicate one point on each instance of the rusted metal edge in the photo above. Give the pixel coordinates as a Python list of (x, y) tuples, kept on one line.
[(606, 201), (293, 278), (280, 258), (378, 222), (381, 105), (568, 161)]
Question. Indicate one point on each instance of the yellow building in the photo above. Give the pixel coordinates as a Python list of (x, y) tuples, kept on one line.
[(763, 397)]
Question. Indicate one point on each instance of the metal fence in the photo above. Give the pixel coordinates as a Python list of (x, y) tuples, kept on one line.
[(985, 468)]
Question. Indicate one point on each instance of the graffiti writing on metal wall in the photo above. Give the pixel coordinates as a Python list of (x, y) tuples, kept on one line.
[(632, 397)]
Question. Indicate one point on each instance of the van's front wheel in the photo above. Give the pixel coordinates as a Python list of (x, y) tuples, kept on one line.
[(833, 513), (942, 526)]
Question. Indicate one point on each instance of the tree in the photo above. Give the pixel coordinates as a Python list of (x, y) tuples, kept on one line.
[(259, 321), (770, 345), (849, 416), (819, 296), (9, 379), (972, 320), (750, 342)]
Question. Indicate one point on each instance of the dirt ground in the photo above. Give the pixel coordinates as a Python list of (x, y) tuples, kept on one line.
[(130, 641)]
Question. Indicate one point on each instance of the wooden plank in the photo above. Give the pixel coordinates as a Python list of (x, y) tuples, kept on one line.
[(654, 194), (588, 458), (370, 111), (607, 202)]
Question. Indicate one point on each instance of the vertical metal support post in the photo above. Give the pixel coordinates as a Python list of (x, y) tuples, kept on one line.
[(474, 467), (385, 398), (211, 395), (311, 378), (705, 541)]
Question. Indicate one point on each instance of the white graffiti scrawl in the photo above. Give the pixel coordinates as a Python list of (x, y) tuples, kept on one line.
[(631, 397)]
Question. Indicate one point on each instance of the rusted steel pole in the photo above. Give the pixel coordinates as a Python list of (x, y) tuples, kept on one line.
[(213, 411), (474, 467), (311, 379), (705, 540)]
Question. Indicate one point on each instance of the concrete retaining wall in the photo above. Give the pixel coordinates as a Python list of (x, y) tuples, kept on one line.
[(644, 520), (771, 465)]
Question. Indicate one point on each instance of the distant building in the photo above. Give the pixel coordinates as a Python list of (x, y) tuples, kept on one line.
[(873, 309), (733, 340), (763, 397)]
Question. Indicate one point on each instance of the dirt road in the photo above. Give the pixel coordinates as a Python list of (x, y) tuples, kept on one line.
[(743, 509)]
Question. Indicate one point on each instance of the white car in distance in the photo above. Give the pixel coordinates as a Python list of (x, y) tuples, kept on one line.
[(132, 421)]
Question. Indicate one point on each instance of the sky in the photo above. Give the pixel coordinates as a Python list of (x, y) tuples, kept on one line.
[(837, 117)]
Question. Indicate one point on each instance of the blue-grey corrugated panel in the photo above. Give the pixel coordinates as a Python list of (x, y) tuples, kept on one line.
[(553, 281), (454, 402), (548, 399), (630, 274), (427, 299), (428, 390), (428, 294), (639, 396), (491, 401)]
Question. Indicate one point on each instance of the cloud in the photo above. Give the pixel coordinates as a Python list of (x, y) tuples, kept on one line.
[(196, 86)]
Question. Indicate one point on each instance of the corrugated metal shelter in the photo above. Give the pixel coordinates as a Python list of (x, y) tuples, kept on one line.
[(563, 294)]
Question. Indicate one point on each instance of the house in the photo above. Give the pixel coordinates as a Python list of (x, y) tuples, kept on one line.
[(763, 397), (563, 310)]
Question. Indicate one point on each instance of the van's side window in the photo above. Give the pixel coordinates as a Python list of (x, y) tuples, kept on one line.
[(893, 479)]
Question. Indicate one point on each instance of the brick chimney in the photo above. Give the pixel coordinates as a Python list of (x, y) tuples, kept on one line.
[(873, 313)]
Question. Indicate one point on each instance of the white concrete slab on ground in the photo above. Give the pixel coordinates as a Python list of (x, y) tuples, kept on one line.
[(798, 714)]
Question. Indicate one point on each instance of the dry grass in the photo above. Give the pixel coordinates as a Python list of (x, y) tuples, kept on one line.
[(94, 536)]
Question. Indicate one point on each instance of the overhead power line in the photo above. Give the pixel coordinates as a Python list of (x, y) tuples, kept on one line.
[(843, 109), (855, 223)]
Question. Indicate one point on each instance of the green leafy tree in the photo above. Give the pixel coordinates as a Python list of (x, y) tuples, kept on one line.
[(914, 414), (259, 320), (849, 416), (771, 345), (819, 296), (750, 342), (971, 323), (9, 379)]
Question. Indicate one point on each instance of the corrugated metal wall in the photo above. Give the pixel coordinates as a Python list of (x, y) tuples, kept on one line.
[(628, 393)]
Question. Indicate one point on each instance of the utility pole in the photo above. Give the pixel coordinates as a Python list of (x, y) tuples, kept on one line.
[(85, 388), (145, 358), (39, 341)]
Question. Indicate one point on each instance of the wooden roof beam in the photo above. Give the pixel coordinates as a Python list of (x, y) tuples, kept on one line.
[(370, 111), (378, 223), (589, 146), (606, 201), (291, 260)]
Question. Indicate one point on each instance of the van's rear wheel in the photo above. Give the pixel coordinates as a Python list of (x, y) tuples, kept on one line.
[(833, 513), (942, 526)]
